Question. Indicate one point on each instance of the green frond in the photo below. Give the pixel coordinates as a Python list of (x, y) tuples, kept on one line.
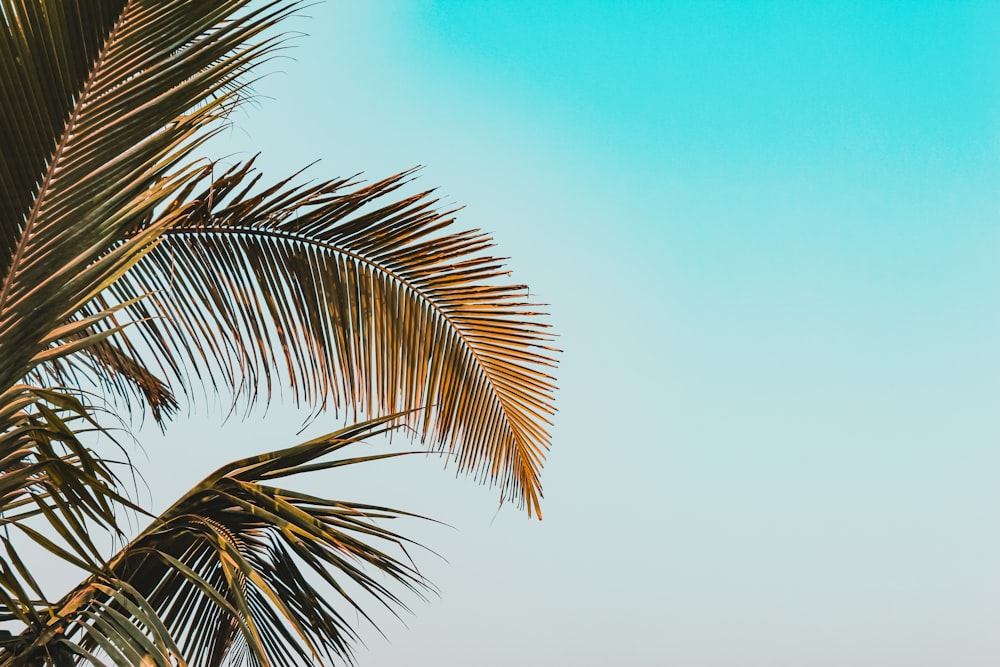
[(238, 567), (105, 108)]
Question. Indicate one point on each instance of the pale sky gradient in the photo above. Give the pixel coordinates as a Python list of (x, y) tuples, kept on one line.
[(770, 237)]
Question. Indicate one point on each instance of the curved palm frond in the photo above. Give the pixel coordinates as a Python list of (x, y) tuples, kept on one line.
[(370, 304), (230, 572)]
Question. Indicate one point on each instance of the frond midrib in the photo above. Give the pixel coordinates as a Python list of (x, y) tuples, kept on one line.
[(50, 170)]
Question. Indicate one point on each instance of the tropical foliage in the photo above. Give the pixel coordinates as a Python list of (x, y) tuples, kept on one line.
[(136, 275)]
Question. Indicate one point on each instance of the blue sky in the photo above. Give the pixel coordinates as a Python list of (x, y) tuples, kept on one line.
[(769, 235)]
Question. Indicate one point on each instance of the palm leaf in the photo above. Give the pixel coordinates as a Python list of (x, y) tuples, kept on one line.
[(43, 67), (355, 301), (125, 93), (222, 574)]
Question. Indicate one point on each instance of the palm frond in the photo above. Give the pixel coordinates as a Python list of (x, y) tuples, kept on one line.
[(355, 301), (230, 571), (44, 64), (111, 145)]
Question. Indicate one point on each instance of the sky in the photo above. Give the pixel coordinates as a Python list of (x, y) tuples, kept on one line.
[(768, 235)]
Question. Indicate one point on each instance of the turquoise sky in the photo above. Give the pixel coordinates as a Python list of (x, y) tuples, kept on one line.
[(769, 235)]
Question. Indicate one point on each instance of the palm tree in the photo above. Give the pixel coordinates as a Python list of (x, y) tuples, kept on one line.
[(136, 275)]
